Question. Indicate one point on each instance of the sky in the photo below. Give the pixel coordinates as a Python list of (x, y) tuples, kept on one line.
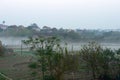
[(70, 14)]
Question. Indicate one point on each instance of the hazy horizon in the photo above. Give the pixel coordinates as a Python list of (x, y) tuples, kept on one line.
[(89, 14)]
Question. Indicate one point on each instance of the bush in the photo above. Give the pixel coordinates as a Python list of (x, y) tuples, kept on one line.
[(33, 65), (49, 77), (2, 49)]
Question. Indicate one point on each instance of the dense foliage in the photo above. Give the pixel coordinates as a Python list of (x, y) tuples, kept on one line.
[(54, 61), (34, 30), (64, 34)]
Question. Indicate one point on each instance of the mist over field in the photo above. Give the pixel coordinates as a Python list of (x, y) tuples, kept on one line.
[(12, 40), (16, 42), (59, 39)]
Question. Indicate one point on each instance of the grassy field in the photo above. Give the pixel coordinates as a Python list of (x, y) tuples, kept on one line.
[(15, 65)]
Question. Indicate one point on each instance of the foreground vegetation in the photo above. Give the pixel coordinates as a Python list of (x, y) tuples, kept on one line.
[(2, 78), (48, 60), (54, 61)]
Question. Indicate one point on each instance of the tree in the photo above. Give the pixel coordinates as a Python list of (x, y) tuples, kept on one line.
[(34, 26), (101, 62), (44, 48), (53, 60), (91, 56), (3, 22), (2, 49)]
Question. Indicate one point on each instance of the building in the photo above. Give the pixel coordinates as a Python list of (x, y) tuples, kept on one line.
[(4, 27)]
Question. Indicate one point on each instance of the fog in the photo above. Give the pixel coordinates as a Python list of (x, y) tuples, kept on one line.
[(15, 42), (12, 40), (78, 46)]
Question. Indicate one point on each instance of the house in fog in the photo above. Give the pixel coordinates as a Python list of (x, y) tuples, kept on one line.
[(3, 27)]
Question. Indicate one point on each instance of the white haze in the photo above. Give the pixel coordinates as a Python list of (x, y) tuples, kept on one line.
[(15, 42), (12, 40)]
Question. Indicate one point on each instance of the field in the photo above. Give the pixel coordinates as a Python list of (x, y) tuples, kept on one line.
[(15, 66)]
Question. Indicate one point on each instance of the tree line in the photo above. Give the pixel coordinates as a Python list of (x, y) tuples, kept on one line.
[(65, 34), (35, 30)]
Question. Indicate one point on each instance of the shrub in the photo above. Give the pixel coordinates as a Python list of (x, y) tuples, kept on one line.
[(2, 49)]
